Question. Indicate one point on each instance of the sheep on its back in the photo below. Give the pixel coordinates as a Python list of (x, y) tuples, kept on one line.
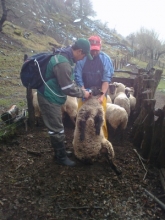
[(89, 142)]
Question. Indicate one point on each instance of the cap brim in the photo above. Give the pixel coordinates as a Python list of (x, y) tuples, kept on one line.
[(89, 56), (95, 47)]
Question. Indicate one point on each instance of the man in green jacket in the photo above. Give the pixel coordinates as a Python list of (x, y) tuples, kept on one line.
[(53, 94)]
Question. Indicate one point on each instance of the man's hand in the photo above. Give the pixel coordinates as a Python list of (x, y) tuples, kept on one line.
[(86, 94)]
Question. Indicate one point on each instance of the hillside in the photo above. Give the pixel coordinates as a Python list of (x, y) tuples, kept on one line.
[(34, 26), (54, 19)]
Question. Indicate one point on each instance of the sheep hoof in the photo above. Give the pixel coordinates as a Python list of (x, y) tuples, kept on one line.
[(118, 171), (114, 168)]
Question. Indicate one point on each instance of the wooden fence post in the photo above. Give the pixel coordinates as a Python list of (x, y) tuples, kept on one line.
[(29, 96), (161, 156), (155, 150), (148, 127)]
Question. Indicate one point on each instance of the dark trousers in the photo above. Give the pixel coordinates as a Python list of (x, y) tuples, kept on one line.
[(52, 117)]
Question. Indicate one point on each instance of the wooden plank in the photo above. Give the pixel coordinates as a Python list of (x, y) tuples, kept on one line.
[(162, 178), (126, 81)]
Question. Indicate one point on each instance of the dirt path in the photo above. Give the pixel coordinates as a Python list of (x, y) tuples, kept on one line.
[(33, 186)]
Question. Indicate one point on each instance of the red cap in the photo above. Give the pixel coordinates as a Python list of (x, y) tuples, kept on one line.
[(95, 43)]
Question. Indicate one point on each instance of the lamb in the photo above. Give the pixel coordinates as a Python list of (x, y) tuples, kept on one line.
[(115, 88), (116, 116), (89, 142), (122, 100), (37, 111), (117, 119), (130, 92), (118, 96), (70, 107)]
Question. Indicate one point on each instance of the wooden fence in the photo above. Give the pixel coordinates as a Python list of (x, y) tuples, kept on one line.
[(148, 126), (119, 63)]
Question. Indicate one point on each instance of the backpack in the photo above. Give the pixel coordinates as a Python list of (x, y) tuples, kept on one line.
[(33, 70)]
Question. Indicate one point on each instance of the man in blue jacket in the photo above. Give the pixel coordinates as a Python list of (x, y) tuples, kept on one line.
[(53, 94), (95, 73)]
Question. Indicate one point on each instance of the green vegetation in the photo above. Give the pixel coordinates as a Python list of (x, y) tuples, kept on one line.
[(32, 42), (161, 85)]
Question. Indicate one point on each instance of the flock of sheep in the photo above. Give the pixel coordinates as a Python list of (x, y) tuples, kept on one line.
[(89, 142)]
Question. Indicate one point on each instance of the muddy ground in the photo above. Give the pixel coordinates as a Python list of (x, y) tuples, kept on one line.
[(34, 187)]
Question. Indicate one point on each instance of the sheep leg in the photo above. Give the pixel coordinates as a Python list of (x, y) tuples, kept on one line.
[(73, 119), (117, 135), (110, 161), (114, 167), (120, 135), (111, 132), (98, 120)]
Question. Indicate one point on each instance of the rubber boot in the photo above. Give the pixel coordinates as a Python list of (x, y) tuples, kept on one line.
[(60, 153)]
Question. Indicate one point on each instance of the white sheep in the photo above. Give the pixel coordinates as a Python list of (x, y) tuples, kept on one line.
[(118, 96), (130, 93), (115, 88), (37, 111), (116, 116), (109, 99), (117, 119), (89, 142), (70, 107), (122, 100)]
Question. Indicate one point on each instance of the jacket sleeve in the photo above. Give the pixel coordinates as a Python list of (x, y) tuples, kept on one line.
[(63, 72), (108, 67), (78, 72)]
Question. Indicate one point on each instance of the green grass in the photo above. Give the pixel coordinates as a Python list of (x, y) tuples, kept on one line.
[(5, 102), (35, 42), (161, 86)]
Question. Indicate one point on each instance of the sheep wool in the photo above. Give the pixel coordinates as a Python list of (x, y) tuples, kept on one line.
[(70, 107), (115, 88), (122, 100), (89, 141), (116, 116), (132, 98)]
